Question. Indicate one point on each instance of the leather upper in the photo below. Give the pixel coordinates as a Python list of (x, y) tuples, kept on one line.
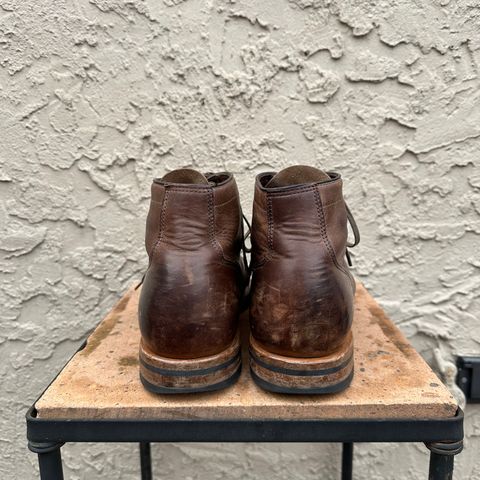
[(189, 303), (302, 291)]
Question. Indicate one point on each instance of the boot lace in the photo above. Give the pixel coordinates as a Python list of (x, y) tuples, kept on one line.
[(356, 235), (246, 249)]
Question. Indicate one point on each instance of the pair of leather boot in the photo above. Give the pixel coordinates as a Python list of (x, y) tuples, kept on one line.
[(300, 296)]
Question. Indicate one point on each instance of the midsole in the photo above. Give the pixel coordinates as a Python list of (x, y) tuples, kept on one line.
[(189, 374), (293, 389), (296, 374), (303, 366), (230, 380), (301, 373)]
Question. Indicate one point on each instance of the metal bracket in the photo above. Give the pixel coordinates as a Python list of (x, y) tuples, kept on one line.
[(468, 377)]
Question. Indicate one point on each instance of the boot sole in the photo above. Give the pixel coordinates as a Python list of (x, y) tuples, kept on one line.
[(169, 375), (321, 375)]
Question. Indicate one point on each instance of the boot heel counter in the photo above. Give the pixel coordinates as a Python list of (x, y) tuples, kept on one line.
[(189, 304), (308, 316)]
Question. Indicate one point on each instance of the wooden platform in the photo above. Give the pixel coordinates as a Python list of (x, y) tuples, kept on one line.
[(391, 380)]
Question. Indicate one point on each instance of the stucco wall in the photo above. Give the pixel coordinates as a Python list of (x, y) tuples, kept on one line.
[(98, 97)]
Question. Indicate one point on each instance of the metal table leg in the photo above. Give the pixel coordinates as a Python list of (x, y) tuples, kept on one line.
[(347, 461), (49, 459), (145, 461), (441, 459)]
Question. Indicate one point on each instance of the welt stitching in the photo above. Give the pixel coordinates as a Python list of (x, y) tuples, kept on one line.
[(324, 235)]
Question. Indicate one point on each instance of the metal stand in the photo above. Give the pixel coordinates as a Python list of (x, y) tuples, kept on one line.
[(443, 435), (49, 459), (46, 436), (441, 459), (347, 461), (145, 461), (106, 416)]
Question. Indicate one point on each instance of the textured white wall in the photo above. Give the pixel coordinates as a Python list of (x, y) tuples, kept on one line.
[(98, 97)]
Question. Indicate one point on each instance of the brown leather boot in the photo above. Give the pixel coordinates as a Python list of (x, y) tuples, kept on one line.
[(191, 293), (302, 291)]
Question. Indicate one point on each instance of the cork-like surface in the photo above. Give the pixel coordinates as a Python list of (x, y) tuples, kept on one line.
[(391, 379)]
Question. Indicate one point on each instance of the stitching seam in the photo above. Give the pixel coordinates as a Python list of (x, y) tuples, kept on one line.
[(269, 223), (211, 224), (161, 222), (225, 202), (294, 192), (303, 189), (213, 240), (189, 189), (324, 235), (332, 203), (268, 255)]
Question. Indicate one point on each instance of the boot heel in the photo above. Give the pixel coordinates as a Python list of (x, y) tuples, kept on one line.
[(321, 375), (205, 374)]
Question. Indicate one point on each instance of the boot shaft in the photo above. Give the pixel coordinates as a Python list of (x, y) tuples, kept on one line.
[(193, 216), (299, 220)]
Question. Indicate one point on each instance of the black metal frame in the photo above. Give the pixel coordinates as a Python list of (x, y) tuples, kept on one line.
[(442, 436)]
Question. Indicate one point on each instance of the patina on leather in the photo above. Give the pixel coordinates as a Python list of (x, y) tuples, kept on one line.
[(302, 290), (190, 298)]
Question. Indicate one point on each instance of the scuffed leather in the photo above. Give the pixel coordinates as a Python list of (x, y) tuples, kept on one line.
[(189, 303), (302, 291)]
